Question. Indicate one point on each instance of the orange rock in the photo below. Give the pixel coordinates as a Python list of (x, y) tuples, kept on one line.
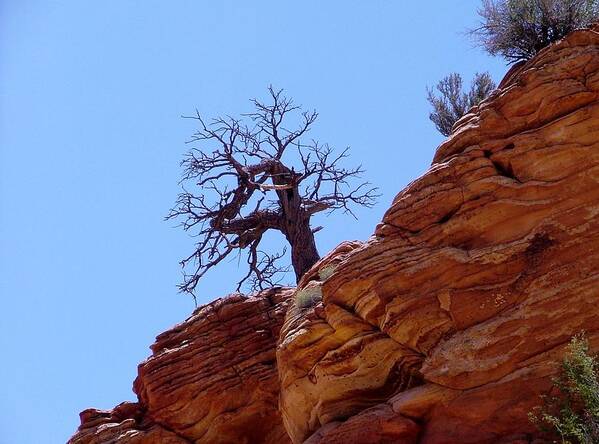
[(210, 379), (454, 314), (377, 425), (443, 328), (124, 424)]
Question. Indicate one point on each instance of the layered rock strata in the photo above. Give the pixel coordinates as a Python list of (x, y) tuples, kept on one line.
[(446, 325), (210, 379)]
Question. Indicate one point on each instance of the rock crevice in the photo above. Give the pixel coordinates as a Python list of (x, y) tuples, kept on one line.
[(444, 327)]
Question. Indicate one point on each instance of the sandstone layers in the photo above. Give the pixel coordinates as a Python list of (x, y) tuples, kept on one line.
[(444, 327), (210, 379)]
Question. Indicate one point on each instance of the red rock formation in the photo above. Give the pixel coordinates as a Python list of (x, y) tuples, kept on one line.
[(123, 424), (211, 379), (449, 321), (443, 328)]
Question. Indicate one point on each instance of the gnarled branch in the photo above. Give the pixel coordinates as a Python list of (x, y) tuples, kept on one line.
[(244, 186)]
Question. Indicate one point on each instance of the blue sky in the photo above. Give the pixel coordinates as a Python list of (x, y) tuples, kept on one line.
[(91, 95)]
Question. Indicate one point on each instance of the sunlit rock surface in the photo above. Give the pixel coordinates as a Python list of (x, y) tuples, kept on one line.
[(444, 327), (479, 273), (210, 379)]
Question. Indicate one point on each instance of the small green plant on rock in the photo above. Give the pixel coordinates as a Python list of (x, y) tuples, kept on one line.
[(573, 414), (451, 102), (309, 296), (326, 272)]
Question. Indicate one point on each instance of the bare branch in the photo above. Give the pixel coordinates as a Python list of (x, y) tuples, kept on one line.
[(238, 163)]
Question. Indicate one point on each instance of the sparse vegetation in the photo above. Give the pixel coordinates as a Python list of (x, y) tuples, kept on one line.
[(256, 174), (519, 29), (452, 103), (308, 297), (326, 272), (573, 413)]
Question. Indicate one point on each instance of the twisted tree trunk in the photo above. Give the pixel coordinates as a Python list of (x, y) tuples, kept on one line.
[(303, 249), (251, 154), (296, 222)]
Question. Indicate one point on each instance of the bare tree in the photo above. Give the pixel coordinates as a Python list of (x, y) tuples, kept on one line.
[(452, 103), (256, 174), (518, 29)]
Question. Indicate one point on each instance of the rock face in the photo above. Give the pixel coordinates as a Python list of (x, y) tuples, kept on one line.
[(123, 424), (444, 327), (211, 379)]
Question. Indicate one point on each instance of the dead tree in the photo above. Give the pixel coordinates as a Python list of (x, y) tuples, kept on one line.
[(256, 174)]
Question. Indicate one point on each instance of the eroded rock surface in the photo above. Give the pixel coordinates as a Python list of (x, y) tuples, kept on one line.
[(448, 322), (210, 379), (444, 327), (123, 424)]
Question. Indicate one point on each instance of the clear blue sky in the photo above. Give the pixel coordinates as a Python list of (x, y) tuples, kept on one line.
[(91, 95)]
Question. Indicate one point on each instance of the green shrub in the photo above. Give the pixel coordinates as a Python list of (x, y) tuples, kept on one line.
[(452, 103), (518, 29), (573, 414), (309, 296), (326, 272)]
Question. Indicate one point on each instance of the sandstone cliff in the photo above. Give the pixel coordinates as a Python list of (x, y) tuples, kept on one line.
[(210, 379), (444, 327)]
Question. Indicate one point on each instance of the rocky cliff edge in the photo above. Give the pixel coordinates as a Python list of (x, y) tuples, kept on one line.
[(444, 327)]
